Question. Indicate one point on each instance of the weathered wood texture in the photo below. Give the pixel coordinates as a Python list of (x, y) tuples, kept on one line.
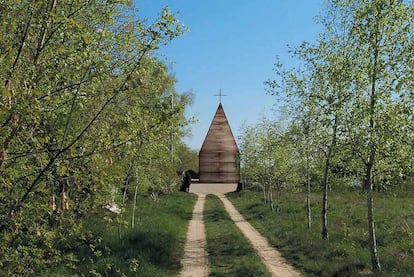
[(218, 155)]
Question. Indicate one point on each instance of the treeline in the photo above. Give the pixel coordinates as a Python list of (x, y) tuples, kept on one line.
[(88, 116), (348, 114)]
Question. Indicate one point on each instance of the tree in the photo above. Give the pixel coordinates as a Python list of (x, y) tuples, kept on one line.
[(188, 158), (319, 94), (300, 134), (267, 160), (81, 94), (358, 80), (382, 36)]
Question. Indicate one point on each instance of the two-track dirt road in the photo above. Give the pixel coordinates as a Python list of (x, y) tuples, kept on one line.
[(195, 262)]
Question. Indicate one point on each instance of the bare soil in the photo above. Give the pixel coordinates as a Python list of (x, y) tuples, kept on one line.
[(271, 258), (212, 188), (195, 257)]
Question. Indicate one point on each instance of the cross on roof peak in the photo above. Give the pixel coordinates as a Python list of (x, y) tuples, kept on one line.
[(220, 95)]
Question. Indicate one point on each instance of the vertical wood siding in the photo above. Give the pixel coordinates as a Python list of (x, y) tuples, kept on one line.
[(218, 155)]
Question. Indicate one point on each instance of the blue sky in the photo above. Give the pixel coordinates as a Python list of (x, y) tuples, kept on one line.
[(232, 45)]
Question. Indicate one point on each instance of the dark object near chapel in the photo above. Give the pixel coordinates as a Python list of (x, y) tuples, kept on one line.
[(186, 181), (218, 161), (239, 186)]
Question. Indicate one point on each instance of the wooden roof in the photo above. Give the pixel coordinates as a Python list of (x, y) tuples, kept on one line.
[(218, 156)]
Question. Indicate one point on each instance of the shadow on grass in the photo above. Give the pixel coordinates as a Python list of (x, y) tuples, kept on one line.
[(137, 254), (155, 247)]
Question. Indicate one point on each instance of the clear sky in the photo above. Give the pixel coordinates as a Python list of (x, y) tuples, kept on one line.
[(232, 45)]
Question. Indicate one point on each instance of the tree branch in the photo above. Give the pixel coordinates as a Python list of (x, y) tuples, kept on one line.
[(33, 185)]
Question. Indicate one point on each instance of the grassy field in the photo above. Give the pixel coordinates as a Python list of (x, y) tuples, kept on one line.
[(229, 253), (346, 252), (153, 248)]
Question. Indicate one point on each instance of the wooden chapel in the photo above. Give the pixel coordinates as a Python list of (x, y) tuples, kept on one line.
[(218, 157)]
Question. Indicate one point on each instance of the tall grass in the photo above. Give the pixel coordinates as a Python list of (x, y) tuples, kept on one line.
[(346, 251), (229, 253), (153, 248)]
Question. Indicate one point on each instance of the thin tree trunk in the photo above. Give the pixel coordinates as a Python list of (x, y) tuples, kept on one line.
[(325, 197), (124, 194), (134, 207), (126, 181), (325, 234), (268, 196), (272, 207), (370, 213), (135, 200), (369, 167), (278, 193), (308, 200), (264, 195)]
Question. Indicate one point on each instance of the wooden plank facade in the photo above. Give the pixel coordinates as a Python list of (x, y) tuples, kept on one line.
[(218, 161)]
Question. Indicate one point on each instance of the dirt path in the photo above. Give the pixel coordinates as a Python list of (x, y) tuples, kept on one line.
[(274, 262), (195, 255)]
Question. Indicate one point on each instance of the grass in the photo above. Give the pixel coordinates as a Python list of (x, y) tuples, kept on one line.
[(229, 252), (154, 247), (346, 252)]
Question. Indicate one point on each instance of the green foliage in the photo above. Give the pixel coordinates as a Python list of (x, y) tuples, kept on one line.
[(353, 90), (153, 248), (353, 95), (229, 253), (84, 106), (267, 158), (188, 158), (343, 254)]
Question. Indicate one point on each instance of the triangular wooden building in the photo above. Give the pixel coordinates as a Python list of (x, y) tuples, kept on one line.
[(218, 162)]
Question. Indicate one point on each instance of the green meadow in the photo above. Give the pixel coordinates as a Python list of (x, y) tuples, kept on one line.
[(346, 252), (154, 247)]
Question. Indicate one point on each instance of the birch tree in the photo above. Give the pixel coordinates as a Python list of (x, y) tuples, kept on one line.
[(382, 38), (267, 160), (75, 76)]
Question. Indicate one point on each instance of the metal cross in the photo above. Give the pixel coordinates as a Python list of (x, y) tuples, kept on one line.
[(220, 95)]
